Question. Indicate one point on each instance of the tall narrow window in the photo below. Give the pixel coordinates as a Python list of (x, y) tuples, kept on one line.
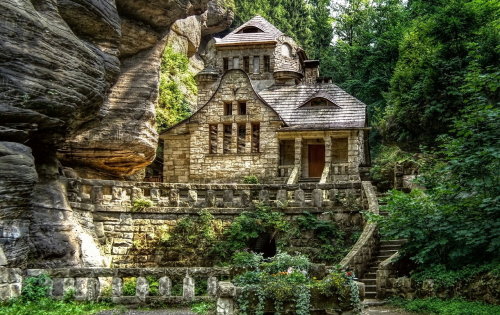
[(242, 108), (226, 64), (236, 62), (228, 108), (246, 64), (255, 138), (242, 132), (213, 138), (267, 64), (256, 64), (226, 143)]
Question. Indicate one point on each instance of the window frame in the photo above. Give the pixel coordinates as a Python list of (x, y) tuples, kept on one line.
[(242, 105), (228, 108)]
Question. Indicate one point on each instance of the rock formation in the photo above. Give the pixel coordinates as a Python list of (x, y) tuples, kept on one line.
[(78, 84)]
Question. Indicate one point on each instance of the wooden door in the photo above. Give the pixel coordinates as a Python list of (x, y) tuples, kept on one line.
[(316, 159)]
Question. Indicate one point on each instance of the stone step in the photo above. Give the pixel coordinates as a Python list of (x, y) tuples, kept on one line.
[(387, 252), (389, 246), (392, 242), (370, 275), (370, 295), (370, 288), (374, 302), (369, 281)]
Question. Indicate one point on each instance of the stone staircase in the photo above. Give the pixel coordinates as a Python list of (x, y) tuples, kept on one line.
[(386, 249)]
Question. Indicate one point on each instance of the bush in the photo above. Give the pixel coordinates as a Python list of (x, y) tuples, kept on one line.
[(141, 204), (251, 179), (203, 308), (35, 288)]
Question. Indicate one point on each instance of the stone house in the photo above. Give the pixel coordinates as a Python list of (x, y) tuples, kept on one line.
[(263, 110)]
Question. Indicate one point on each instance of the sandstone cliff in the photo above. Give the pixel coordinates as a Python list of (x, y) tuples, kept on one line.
[(78, 86)]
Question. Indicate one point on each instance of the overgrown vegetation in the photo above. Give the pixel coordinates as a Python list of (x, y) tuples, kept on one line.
[(141, 204), (285, 280), (177, 90), (250, 179), (34, 300), (446, 307)]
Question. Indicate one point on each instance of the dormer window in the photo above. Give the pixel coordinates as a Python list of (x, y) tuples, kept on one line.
[(318, 102), (250, 29), (286, 50)]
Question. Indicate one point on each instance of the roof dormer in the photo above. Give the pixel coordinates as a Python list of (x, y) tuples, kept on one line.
[(250, 29), (319, 100)]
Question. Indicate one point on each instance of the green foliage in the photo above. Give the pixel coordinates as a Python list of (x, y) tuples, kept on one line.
[(284, 280), (177, 90), (386, 159), (193, 238), (444, 278), (154, 285), (250, 179), (35, 288), (308, 22), (141, 204), (203, 308), (246, 260), (446, 307), (129, 286), (47, 306)]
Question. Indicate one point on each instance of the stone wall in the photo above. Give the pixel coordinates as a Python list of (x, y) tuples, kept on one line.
[(203, 166), (127, 236)]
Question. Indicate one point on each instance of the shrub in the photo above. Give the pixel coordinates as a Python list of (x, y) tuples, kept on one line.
[(250, 179), (35, 288), (446, 307), (141, 204)]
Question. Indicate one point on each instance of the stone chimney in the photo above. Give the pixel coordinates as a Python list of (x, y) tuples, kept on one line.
[(206, 81), (311, 71)]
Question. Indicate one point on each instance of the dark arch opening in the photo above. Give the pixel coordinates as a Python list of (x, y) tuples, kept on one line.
[(251, 29), (265, 244)]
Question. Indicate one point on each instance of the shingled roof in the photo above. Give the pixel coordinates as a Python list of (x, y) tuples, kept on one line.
[(287, 101), (269, 33)]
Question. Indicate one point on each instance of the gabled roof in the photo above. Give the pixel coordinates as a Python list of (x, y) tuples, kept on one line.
[(288, 99), (269, 33)]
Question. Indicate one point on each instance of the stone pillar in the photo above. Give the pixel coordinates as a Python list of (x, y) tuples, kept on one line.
[(328, 150), (192, 197), (174, 197), (228, 197), (264, 196), (165, 286), (210, 198), (93, 288), (282, 198), (116, 287), (137, 193), (234, 136), (298, 154), (220, 138), (116, 193), (246, 197), (142, 288), (299, 197), (68, 284), (188, 288), (317, 198), (248, 138), (225, 298), (81, 289), (155, 194), (212, 286), (97, 194)]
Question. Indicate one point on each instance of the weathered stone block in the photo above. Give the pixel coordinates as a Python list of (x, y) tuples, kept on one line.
[(317, 198), (165, 286), (173, 196), (192, 197), (299, 197), (228, 197), (264, 196), (116, 286), (188, 286), (212, 286), (210, 198), (154, 194), (142, 288), (245, 196)]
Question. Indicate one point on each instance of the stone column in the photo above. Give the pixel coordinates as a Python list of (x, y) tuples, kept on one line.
[(352, 153), (225, 298), (165, 286), (328, 150), (298, 152), (248, 138), (220, 138), (234, 137), (188, 288)]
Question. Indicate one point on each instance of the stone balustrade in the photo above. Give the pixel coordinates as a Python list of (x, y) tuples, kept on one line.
[(107, 195), (361, 254), (93, 284)]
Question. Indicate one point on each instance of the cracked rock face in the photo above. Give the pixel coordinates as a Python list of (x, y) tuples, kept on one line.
[(79, 82)]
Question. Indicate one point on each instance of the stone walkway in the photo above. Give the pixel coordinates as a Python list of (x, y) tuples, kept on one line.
[(385, 310)]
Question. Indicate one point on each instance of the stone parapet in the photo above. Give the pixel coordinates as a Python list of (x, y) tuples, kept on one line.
[(363, 251)]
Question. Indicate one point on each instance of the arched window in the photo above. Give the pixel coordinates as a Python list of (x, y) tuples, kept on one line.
[(286, 50)]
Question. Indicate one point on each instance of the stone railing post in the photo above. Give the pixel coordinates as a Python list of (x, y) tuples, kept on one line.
[(264, 196), (210, 198), (188, 288), (192, 197), (212, 286), (136, 193), (299, 197), (173, 196), (116, 193), (142, 288), (97, 196), (116, 287), (93, 288), (317, 198), (227, 198), (246, 197), (154, 194), (281, 198), (226, 293), (165, 286)]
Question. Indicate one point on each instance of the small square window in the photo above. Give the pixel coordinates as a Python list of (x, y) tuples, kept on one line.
[(242, 108), (236, 62), (228, 108)]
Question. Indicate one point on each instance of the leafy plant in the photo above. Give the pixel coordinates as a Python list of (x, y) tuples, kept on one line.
[(250, 179), (203, 308), (129, 286), (446, 307), (35, 288), (141, 204)]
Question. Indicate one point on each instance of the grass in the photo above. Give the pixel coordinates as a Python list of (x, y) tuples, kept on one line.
[(446, 307), (47, 306), (203, 308)]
